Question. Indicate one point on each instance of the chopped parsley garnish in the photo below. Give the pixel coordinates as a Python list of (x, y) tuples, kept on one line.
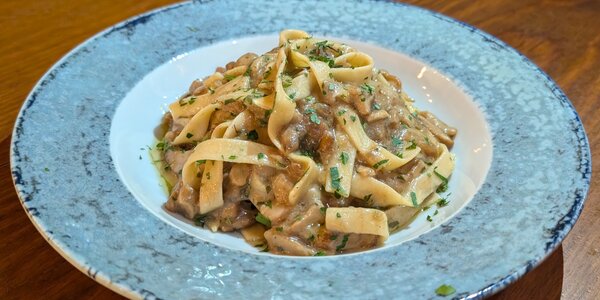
[(333, 237), (344, 157), (189, 135), (412, 146), (413, 198), (260, 218), (376, 106), (343, 244), (280, 229), (341, 112), (319, 253), (367, 88), (232, 157), (314, 118), (442, 202), (353, 118), (330, 62), (337, 215), (308, 153), (445, 290), (396, 141), (287, 82), (199, 162), (46, 170), (331, 86), (252, 135), (260, 155), (429, 219), (310, 99), (189, 101), (227, 101), (269, 204), (323, 209), (163, 146), (380, 163), (248, 70), (199, 220), (444, 186), (229, 77), (334, 173)]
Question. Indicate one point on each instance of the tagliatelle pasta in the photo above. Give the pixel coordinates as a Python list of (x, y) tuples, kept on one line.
[(307, 149)]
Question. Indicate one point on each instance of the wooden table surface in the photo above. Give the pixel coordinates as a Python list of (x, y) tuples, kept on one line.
[(562, 37)]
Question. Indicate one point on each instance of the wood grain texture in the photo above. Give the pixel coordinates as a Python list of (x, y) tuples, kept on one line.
[(562, 37)]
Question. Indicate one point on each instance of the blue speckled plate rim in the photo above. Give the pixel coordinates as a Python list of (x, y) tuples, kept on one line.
[(561, 229)]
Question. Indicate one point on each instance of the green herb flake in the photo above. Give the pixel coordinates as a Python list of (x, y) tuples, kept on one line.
[(445, 290), (315, 119), (412, 146), (341, 112), (444, 186), (252, 135), (331, 87), (211, 90), (199, 220), (353, 118), (365, 87), (260, 218), (442, 202), (429, 219), (260, 155), (199, 162), (319, 253), (46, 170), (323, 209), (269, 204), (248, 71), (376, 106), (232, 157), (337, 215), (334, 173), (343, 244), (287, 82), (344, 157), (280, 229), (227, 101), (229, 77), (380, 163), (333, 237), (189, 135), (413, 198)]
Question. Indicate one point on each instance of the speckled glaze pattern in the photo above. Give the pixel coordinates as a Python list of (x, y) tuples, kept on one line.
[(65, 178)]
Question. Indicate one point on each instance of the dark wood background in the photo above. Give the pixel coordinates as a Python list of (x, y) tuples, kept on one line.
[(562, 37)]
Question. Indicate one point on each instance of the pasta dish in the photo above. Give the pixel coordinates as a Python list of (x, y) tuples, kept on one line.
[(307, 149)]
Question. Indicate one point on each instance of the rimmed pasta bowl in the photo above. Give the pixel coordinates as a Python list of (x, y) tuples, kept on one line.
[(110, 192)]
